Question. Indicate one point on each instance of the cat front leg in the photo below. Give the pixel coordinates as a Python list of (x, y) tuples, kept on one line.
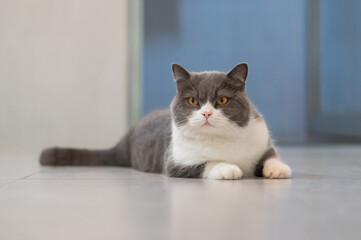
[(173, 169), (210, 170), (270, 166), (222, 170)]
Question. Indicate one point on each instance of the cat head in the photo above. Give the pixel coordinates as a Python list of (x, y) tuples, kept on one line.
[(211, 102)]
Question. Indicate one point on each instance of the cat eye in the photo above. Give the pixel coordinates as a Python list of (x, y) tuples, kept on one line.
[(222, 100), (192, 101)]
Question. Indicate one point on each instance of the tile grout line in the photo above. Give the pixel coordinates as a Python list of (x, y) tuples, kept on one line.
[(32, 174), (18, 179)]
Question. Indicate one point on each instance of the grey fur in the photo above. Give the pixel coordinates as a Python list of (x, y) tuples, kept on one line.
[(173, 169), (192, 171), (239, 74), (267, 155), (69, 156), (187, 171), (150, 140), (209, 86), (254, 112), (146, 147)]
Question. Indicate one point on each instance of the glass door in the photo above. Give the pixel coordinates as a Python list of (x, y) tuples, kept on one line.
[(335, 67)]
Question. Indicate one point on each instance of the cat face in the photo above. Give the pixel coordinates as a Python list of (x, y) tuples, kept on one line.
[(211, 102)]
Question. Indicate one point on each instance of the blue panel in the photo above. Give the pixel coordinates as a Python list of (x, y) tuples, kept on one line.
[(216, 35), (340, 56)]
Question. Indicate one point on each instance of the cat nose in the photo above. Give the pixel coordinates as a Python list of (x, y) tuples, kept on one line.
[(206, 114)]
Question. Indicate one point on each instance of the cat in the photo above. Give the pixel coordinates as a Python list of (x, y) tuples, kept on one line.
[(211, 130)]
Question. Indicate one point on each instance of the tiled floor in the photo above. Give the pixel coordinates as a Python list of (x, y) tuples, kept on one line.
[(322, 201)]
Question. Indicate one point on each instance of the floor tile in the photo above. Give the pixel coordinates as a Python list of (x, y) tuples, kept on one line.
[(322, 201)]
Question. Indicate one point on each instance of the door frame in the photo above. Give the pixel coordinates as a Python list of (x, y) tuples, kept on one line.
[(335, 126), (135, 60)]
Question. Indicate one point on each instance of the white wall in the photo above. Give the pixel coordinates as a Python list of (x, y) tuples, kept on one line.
[(62, 73)]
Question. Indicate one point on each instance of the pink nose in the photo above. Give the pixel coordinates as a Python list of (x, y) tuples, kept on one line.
[(206, 114)]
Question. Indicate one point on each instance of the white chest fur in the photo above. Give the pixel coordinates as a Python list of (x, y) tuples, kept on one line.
[(243, 146)]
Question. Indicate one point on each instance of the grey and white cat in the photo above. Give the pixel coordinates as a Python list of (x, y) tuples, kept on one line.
[(211, 130)]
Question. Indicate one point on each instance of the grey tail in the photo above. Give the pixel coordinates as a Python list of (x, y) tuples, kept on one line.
[(70, 156)]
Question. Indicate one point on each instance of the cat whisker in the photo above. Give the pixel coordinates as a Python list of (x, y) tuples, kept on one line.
[(228, 124), (233, 128), (195, 121)]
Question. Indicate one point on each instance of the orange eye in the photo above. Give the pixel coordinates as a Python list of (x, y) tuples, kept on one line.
[(192, 101), (222, 100)]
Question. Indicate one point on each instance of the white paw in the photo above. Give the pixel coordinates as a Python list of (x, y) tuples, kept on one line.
[(274, 168), (225, 171)]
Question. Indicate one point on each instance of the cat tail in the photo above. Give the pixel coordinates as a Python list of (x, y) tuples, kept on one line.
[(116, 156), (71, 156)]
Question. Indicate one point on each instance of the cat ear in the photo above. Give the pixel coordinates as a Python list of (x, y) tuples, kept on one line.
[(239, 74), (179, 72)]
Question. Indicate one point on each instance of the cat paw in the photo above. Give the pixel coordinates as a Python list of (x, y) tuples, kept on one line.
[(274, 168), (225, 171)]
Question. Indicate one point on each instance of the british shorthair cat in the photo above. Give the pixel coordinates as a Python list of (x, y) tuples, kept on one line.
[(211, 130)]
